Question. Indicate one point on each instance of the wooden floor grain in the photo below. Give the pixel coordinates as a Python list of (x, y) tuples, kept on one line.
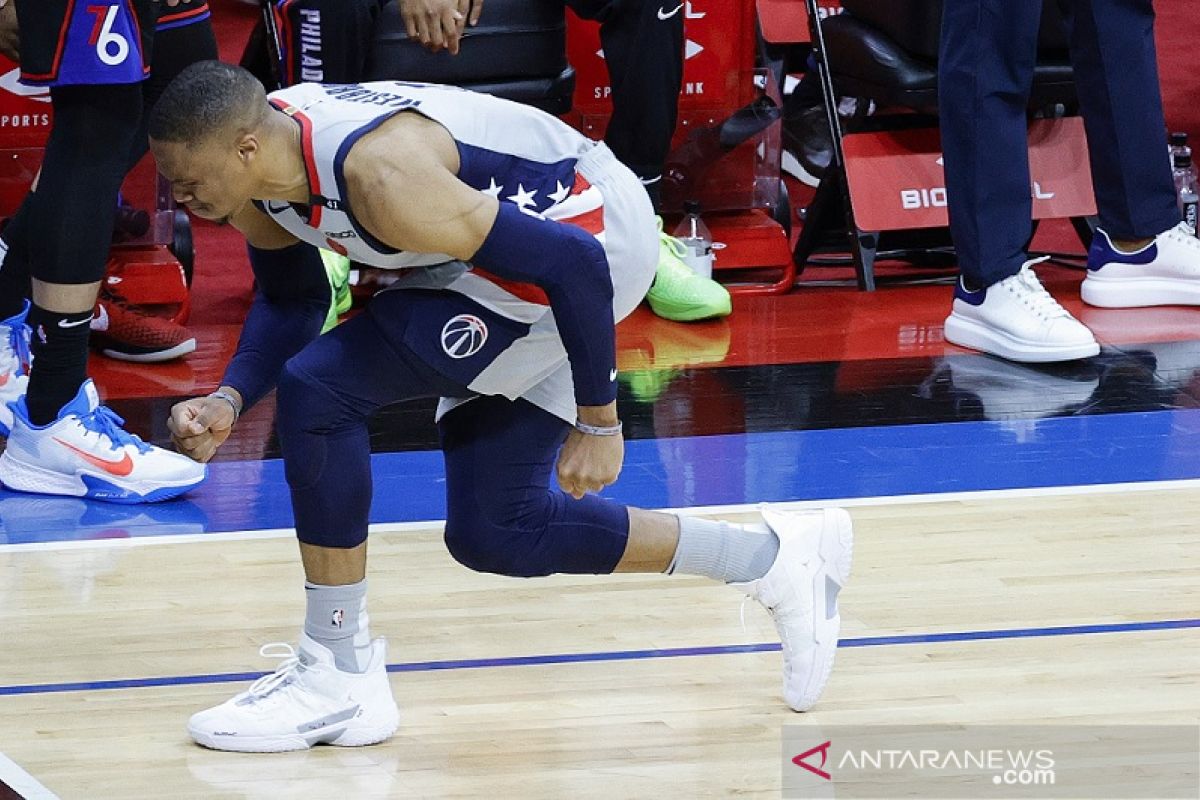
[(699, 726)]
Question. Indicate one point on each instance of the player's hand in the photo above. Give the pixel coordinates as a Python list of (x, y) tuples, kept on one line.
[(9, 38), (200, 425), (438, 24), (589, 463)]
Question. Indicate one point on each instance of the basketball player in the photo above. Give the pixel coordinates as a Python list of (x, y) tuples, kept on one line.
[(94, 58), (521, 242)]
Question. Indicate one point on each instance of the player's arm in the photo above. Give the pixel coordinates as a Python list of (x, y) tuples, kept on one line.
[(291, 300), (412, 200)]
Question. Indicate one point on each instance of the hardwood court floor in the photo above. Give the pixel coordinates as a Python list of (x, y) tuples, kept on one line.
[(686, 726)]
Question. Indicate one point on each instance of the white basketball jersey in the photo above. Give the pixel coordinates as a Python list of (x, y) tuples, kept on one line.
[(508, 150)]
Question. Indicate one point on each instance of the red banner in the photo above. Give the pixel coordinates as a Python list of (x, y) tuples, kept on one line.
[(897, 181)]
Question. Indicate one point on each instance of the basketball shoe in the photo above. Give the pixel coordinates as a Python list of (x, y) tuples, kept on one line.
[(1165, 272), (307, 700), (800, 591), (86, 453), (125, 332), (678, 293), (1017, 319), (14, 365)]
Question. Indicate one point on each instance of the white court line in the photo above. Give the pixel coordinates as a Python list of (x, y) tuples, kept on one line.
[(21, 782), (737, 508)]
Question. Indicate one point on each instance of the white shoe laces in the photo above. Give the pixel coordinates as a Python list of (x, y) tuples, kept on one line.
[(1029, 290), (282, 674), (1183, 234)]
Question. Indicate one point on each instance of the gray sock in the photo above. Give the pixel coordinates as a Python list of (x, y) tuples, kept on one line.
[(337, 619), (723, 551)]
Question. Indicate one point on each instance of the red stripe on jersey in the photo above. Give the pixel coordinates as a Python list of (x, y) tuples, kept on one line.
[(310, 158), (283, 23), (591, 221), (524, 291), (195, 12), (581, 184)]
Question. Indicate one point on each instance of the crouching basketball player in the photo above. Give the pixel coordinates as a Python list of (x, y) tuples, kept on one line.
[(521, 242)]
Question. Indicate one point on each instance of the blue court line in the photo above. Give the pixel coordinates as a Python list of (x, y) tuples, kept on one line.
[(624, 655)]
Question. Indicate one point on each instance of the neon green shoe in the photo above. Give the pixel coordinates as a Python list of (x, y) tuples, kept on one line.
[(337, 267), (678, 293)]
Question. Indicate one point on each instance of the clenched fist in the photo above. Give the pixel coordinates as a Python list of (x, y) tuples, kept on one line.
[(200, 425)]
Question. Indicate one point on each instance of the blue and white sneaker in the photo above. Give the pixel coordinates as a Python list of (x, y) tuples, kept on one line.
[(1017, 319), (1165, 272), (14, 365), (86, 453)]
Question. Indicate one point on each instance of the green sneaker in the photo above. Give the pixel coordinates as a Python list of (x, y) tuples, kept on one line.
[(337, 267), (679, 294)]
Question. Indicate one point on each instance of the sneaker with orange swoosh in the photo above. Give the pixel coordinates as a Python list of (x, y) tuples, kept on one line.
[(86, 453)]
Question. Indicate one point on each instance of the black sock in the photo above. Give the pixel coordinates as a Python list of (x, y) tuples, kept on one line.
[(60, 353)]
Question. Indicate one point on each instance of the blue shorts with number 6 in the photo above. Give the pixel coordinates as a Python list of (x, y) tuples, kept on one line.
[(85, 42)]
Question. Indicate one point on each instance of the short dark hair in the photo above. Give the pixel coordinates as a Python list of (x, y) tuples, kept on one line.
[(206, 98)]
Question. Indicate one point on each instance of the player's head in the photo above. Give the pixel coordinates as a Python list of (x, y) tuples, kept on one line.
[(205, 132)]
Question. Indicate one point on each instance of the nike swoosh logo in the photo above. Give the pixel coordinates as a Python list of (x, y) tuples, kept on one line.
[(669, 14), (121, 468), (612, 376), (62, 323)]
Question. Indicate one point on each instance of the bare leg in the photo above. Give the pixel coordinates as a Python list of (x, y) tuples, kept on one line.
[(334, 566), (653, 539)]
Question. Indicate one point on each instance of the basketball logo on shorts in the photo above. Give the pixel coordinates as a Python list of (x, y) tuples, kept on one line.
[(464, 336)]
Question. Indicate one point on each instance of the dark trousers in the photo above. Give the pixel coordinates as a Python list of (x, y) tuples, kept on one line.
[(503, 514), (985, 71), (644, 55)]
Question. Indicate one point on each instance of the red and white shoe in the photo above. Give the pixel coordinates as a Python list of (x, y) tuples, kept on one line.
[(86, 453), (125, 332), (14, 365), (800, 591)]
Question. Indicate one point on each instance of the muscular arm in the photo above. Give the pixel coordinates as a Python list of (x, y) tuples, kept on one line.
[(403, 185), (291, 300)]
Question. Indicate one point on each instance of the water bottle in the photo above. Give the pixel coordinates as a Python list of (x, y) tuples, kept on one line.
[(1186, 194), (697, 240)]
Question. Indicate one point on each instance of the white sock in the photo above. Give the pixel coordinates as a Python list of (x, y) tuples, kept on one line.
[(723, 551)]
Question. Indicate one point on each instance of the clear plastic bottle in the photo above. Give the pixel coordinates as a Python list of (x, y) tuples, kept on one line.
[(697, 240), (1186, 193)]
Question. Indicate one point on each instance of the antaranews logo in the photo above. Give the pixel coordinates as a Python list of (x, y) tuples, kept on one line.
[(818, 770)]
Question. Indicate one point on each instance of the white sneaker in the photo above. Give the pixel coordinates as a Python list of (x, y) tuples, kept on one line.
[(14, 365), (306, 701), (86, 453), (1017, 319), (1165, 272), (801, 590)]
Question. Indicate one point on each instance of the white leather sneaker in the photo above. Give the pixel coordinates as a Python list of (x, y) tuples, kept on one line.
[(1165, 272), (1017, 319)]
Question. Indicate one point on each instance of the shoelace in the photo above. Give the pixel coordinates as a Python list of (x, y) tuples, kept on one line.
[(1182, 233), (287, 667), (673, 244), (104, 421), (1035, 296), (18, 340)]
